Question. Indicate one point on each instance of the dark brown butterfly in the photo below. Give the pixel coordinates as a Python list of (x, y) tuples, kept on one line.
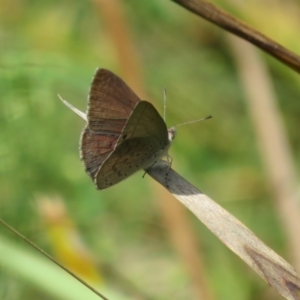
[(123, 134)]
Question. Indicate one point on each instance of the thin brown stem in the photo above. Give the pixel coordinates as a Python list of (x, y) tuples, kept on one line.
[(224, 20)]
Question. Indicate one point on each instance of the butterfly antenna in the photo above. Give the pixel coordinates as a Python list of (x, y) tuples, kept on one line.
[(194, 121), (165, 103), (74, 109)]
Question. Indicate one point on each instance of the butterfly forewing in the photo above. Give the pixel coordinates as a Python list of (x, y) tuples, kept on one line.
[(111, 102), (142, 142)]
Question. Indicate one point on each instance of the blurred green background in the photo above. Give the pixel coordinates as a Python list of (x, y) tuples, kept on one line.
[(54, 47)]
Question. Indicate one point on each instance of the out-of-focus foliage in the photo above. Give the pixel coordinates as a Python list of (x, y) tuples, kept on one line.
[(51, 47)]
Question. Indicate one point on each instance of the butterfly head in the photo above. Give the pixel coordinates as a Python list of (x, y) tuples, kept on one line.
[(171, 133)]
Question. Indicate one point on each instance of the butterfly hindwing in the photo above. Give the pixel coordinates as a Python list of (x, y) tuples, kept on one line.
[(129, 157), (145, 121), (142, 143), (97, 147)]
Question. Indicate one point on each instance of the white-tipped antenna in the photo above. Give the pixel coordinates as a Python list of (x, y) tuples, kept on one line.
[(74, 109), (165, 103), (194, 121)]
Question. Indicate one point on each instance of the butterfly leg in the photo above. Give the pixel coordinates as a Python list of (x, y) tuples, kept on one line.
[(169, 161), (148, 168)]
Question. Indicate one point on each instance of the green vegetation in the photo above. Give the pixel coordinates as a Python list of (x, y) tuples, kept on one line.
[(53, 47)]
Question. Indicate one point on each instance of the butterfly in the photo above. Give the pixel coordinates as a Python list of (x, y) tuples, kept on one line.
[(123, 134)]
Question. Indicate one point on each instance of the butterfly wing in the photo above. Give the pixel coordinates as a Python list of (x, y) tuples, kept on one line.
[(143, 141), (94, 149), (110, 104), (145, 121)]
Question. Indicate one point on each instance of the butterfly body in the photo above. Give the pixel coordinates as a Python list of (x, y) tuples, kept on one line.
[(123, 133)]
